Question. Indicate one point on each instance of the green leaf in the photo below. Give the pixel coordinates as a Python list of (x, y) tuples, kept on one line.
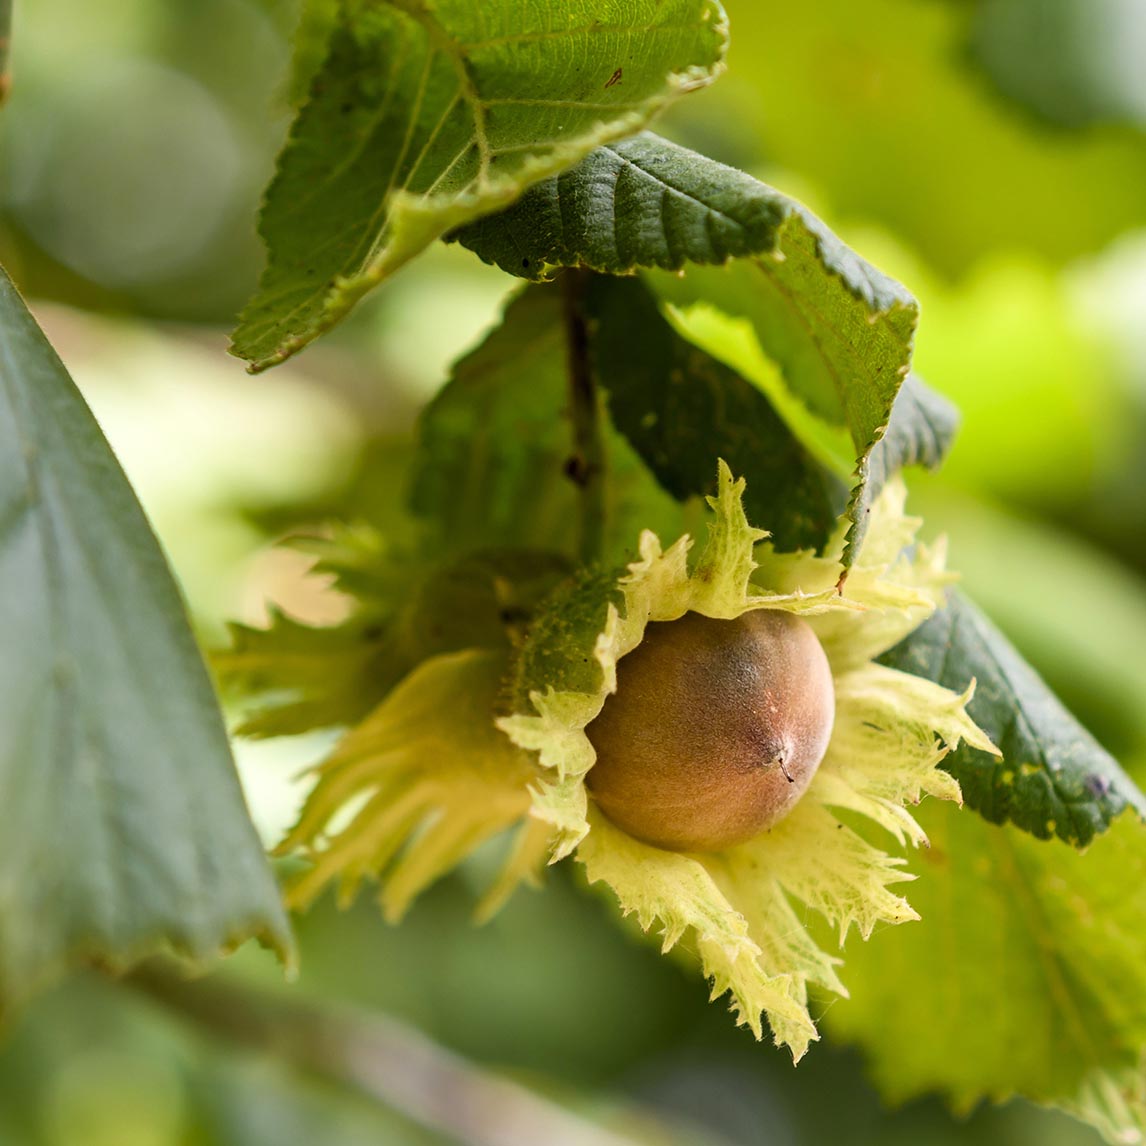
[(682, 409), (491, 465), (914, 154), (840, 330), (316, 24), (919, 433), (1054, 778), (5, 35), (122, 824), (425, 117), (1026, 974), (1063, 60)]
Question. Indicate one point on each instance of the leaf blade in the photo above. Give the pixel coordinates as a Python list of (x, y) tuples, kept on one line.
[(475, 106), (840, 330), (125, 819), (1054, 778), (1025, 972), (681, 409)]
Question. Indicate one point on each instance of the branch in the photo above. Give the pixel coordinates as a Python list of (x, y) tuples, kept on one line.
[(376, 1056), (586, 465)]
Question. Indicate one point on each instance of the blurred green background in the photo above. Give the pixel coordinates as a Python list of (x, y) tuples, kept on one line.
[(989, 153)]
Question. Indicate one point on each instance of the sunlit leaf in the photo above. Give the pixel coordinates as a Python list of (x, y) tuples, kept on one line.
[(424, 117), (1025, 975)]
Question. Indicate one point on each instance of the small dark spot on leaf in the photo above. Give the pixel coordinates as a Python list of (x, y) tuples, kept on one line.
[(525, 262)]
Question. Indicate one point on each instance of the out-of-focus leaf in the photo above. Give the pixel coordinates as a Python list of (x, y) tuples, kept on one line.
[(1054, 778), (1025, 975), (122, 824), (884, 113), (425, 117), (430, 779), (5, 35), (682, 409), (1071, 62)]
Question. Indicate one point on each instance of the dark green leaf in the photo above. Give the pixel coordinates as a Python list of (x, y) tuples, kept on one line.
[(682, 410), (122, 825), (1054, 779), (840, 330), (919, 433), (425, 117), (558, 653), (641, 202)]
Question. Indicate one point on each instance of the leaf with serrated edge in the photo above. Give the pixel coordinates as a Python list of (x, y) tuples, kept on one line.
[(291, 677), (840, 330), (1026, 975), (123, 825), (1054, 778), (425, 117), (681, 409), (919, 433)]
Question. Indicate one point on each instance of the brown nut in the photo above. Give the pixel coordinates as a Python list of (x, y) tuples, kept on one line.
[(715, 731)]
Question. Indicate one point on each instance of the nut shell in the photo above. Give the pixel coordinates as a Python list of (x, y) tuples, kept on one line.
[(715, 731)]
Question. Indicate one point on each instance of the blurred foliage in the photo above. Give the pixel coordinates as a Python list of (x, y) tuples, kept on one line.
[(132, 154), (1074, 62)]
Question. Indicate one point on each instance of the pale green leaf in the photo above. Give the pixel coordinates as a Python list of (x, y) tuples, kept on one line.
[(1026, 974), (425, 117), (292, 677), (122, 824)]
